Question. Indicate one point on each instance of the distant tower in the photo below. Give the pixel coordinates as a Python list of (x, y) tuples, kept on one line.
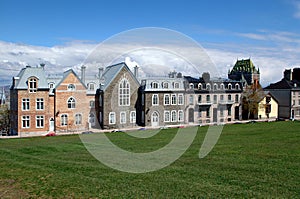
[(245, 69)]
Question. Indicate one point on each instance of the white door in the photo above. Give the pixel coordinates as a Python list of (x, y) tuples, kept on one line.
[(91, 120), (155, 119), (51, 124)]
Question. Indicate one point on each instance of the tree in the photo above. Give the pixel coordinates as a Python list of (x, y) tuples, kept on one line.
[(4, 120)]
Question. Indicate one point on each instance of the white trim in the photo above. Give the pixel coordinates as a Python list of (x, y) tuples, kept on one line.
[(25, 127), (43, 118), (76, 118), (61, 119), (132, 120), (155, 95), (27, 101), (182, 119), (180, 95), (173, 119), (174, 98), (114, 118), (36, 103), (165, 116), (121, 118), (165, 99)]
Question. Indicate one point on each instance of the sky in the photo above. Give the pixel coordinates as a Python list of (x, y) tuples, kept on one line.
[(63, 33)]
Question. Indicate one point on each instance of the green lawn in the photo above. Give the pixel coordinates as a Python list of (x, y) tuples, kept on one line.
[(260, 160)]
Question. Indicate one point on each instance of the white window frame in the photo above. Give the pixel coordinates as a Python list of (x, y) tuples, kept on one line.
[(166, 96), (180, 113), (39, 102), (78, 119), (166, 118), (112, 118), (124, 92), (25, 118), (132, 117), (122, 117), (180, 99), (32, 84), (92, 104), (173, 102), (64, 120), (72, 102), (173, 117), (39, 121), (155, 100), (71, 87), (25, 104), (91, 86)]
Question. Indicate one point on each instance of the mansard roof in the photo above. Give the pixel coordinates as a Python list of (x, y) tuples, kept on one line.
[(244, 66), (25, 73), (112, 71)]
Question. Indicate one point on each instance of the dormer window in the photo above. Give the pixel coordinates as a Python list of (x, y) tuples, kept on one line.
[(165, 85), (191, 86), (200, 86), (237, 87), (154, 85), (51, 85), (32, 85), (91, 86), (222, 86), (208, 87), (215, 87), (176, 85), (229, 86), (71, 87)]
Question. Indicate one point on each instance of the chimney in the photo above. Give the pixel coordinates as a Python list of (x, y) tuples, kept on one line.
[(296, 74), (100, 72), (288, 74), (83, 74), (136, 71), (42, 65)]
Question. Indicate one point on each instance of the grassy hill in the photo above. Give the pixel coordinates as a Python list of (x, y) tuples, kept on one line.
[(259, 160)]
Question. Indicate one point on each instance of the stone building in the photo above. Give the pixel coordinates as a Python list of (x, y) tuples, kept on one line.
[(163, 100), (212, 100), (287, 93)]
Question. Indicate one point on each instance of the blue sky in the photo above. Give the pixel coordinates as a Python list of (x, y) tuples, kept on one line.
[(260, 29)]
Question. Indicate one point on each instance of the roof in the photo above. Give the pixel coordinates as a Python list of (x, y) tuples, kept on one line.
[(284, 84), (112, 71), (245, 66), (28, 72), (66, 74)]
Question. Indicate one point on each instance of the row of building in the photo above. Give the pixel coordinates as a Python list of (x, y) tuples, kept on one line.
[(117, 98)]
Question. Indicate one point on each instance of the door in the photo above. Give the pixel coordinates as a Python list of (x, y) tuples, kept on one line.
[(237, 113), (155, 119), (191, 115), (91, 120), (215, 115), (51, 124)]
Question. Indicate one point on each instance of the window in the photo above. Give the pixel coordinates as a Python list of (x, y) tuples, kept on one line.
[(154, 85), (221, 98), (176, 85), (124, 93), (51, 85), (132, 117), (165, 85), (155, 99), (229, 111), (180, 99), (167, 116), (229, 97), (298, 102), (191, 99), (71, 87), (191, 86), (112, 118), (92, 118), (71, 102), (221, 111), (166, 99), (237, 87), (32, 85), (173, 99), (39, 121), (173, 116), (236, 98), (91, 86), (78, 119), (123, 117), (208, 86), (200, 86), (215, 87), (39, 104), (180, 116), (208, 98), (199, 99), (207, 112), (92, 104), (25, 104), (25, 121), (222, 86), (229, 86), (64, 120), (215, 99)]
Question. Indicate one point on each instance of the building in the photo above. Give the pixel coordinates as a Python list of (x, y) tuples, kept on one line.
[(267, 106), (212, 100), (244, 70), (163, 100), (117, 98), (287, 93)]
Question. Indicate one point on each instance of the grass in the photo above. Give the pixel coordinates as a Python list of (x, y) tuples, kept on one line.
[(260, 160)]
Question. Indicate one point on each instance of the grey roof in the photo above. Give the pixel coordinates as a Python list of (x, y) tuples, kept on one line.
[(28, 72), (112, 71), (66, 73)]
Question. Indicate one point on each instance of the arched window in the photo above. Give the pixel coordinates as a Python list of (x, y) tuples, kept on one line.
[(200, 86), (32, 84), (191, 86), (91, 86), (92, 119), (222, 86), (112, 118), (124, 93), (237, 87), (208, 86), (51, 85), (167, 116), (173, 116), (64, 120), (71, 102), (78, 119), (176, 85), (208, 98), (132, 117), (180, 116), (71, 87), (155, 99), (154, 85), (229, 86), (215, 87), (165, 85)]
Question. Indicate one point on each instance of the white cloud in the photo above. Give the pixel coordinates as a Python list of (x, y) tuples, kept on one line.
[(297, 12)]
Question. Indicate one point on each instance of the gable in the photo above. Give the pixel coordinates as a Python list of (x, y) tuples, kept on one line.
[(70, 77)]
